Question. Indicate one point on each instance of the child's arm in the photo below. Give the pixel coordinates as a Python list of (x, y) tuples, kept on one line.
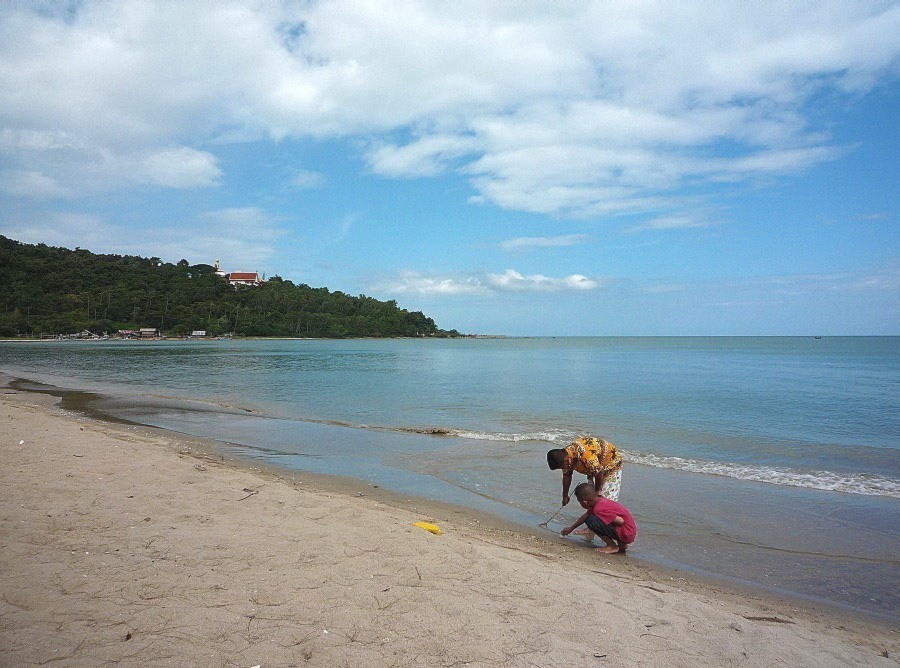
[(581, 520), (618, 521)]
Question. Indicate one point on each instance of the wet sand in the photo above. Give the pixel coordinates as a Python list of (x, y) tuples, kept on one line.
[(136, 547)]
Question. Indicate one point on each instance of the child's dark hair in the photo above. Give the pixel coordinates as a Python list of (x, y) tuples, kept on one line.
[(556, 458), (583, 490)]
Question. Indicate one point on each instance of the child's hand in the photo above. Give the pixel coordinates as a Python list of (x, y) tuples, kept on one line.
[(566, 531)]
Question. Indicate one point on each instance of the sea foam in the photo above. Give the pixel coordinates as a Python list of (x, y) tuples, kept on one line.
[(850, 483)]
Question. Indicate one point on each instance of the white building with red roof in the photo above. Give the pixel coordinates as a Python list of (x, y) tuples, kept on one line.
[(245, 278)]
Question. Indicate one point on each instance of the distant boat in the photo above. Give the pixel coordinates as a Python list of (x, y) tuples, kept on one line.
[(817, 337)]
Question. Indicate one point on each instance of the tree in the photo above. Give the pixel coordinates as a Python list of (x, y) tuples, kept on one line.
[(55, 290)]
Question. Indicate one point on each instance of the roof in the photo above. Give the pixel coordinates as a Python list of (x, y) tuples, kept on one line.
[(243, 276)]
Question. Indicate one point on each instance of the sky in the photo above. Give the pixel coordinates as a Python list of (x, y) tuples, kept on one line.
[(519, 168)]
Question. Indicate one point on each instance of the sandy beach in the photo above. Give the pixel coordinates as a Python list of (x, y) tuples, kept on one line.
[(131, 546)]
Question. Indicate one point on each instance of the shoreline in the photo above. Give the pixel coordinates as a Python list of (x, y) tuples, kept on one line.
[(547, 565), (80, 401)]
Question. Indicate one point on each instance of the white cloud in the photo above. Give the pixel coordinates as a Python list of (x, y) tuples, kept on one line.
[(583, 109), (513, 281), (883, 279), (241, 237), (29, 184), (249, 219), (347, 223), (876, 216), (32, 140), (880, 282), (427, 156), (182, 167), (305, 179), (672, 223), (525, 243), (772, 162), (69, 230), (413, 282), (664, 288)]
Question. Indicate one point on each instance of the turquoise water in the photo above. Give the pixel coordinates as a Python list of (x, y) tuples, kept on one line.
[(799, 428)]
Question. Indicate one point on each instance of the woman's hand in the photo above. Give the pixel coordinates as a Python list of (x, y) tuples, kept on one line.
[(566, 531)]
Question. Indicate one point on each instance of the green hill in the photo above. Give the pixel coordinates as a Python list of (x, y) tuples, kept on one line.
[(59, 291)]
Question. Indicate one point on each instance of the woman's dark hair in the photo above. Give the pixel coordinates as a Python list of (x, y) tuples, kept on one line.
[(556, 458)]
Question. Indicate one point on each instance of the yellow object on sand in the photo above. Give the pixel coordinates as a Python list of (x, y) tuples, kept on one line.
[(433, 528)]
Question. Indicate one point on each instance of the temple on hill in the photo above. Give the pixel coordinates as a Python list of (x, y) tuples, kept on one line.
[(245, 278), (239, 277)]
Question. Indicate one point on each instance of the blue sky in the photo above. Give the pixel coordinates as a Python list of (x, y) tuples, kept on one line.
[(613, 168)]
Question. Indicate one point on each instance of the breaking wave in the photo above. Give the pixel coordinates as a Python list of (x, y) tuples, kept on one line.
[(850, 483), (554, 436)]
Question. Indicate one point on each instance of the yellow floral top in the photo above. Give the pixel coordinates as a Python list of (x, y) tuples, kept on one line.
[(592, 456)]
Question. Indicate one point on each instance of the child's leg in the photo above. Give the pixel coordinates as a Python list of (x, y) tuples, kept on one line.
[(612, 547), (604, 531), (585, 533)]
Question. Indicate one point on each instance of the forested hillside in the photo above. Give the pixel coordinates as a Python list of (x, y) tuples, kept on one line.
[(58, 291)]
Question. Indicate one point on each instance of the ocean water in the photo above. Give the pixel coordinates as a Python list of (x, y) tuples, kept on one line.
[(770, 460)]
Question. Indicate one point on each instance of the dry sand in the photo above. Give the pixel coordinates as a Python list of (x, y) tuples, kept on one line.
[(130, 547)]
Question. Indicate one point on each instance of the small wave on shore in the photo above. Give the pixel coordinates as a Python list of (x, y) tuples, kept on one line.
[(850, 483), (555, 436)]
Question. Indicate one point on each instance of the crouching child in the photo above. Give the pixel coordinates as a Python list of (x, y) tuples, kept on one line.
[(608, 519)]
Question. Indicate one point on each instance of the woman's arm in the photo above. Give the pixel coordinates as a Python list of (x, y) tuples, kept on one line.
[(567, 482)]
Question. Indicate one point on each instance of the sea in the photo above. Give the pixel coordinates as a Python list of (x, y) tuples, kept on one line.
[(771, 462)]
